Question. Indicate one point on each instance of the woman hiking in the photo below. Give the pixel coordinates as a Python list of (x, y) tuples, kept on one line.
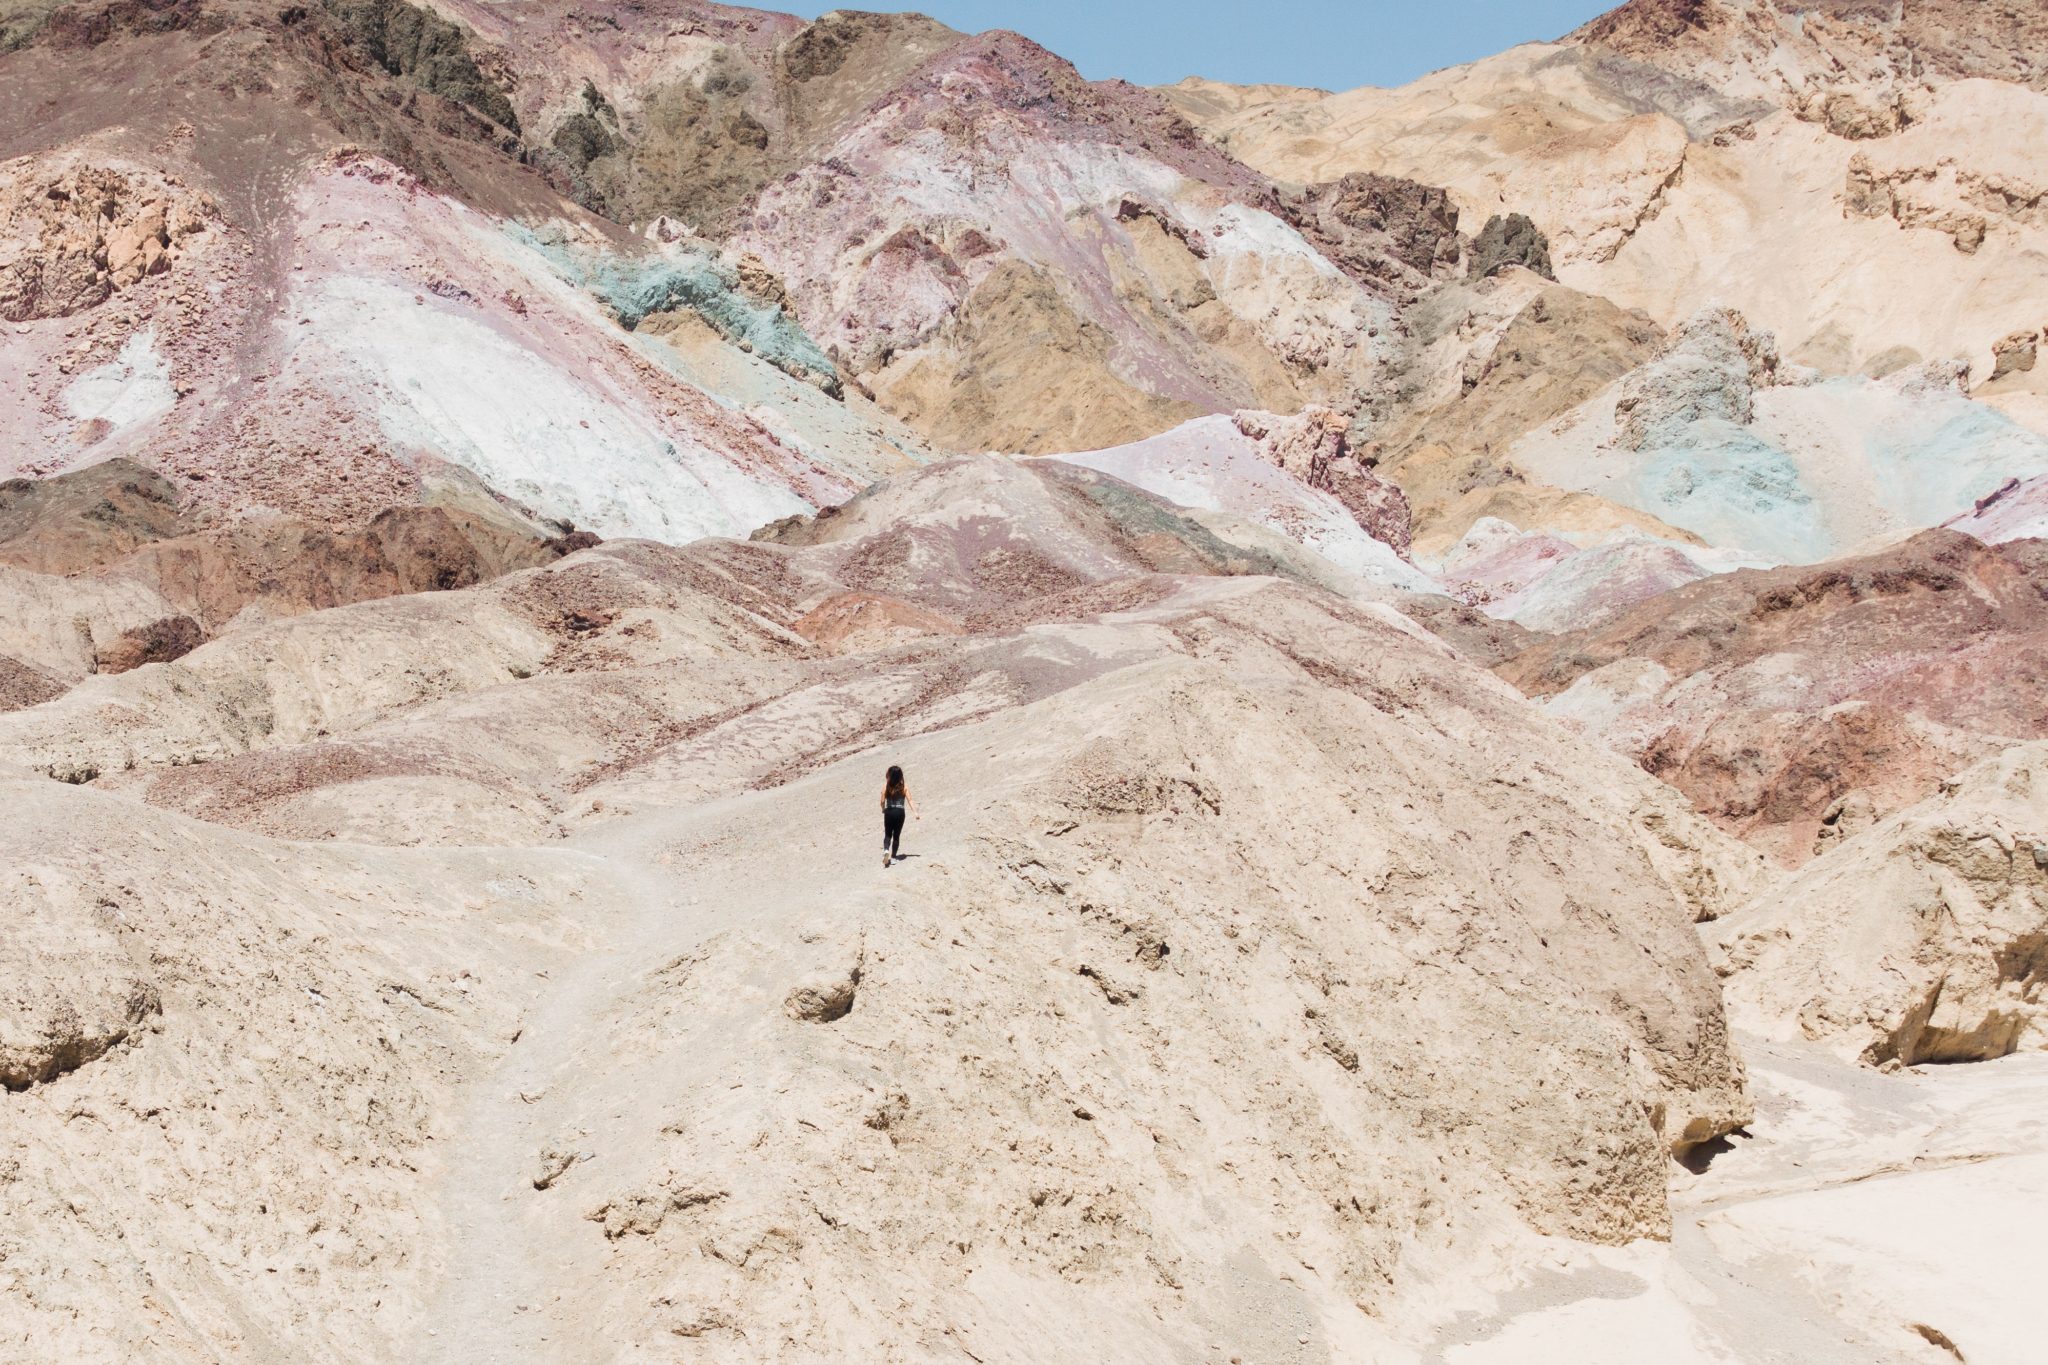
[(896, 803)]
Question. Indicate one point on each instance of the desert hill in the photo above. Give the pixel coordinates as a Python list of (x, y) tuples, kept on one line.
[(1134, 712), (1470, 658)]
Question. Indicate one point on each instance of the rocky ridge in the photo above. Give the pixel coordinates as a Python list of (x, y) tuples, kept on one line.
[(1182, 675)]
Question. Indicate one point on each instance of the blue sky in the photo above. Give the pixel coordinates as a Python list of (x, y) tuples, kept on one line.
[(1336, 44)]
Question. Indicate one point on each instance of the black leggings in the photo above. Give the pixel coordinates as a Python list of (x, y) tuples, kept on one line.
[(892, 828)]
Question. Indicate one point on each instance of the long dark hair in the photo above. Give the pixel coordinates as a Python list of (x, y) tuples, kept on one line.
[(892, 785)]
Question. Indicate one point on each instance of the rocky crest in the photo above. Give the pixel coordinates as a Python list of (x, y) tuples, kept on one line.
[(1315, 447), (1923, 938)]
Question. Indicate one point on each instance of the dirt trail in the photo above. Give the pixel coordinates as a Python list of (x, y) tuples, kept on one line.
[(497, 1272), (674, 878)]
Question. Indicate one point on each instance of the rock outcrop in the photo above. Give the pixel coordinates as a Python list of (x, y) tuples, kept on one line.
[(1770, 696), (1081, 245), (1775, 463), (1510, 239), (116, 572), (423, 48), (68, 993), (1315, 447), (1366, 223), (1825, 58), (1484, 366), (2015, 510), (88, 519), (1922, 939), (1297, 477), (1709, 372), (72, 234)]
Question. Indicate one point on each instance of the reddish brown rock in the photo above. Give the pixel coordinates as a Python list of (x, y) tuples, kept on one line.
[(1315, 447), (1380, 228), (851, 621), (1771, 697), (159, 642), (24, 685), (116, 524), (87, 519)]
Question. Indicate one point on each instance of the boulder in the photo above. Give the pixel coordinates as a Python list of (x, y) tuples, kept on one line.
[(1510, 240)]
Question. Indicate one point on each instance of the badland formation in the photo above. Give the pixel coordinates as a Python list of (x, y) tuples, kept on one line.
[(1474, 658)]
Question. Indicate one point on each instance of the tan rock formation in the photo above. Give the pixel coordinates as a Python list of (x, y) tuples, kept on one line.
[(1847, 186), (1014, 333), (65, 626), (72, 233), (1488, 363), (1922, 939)]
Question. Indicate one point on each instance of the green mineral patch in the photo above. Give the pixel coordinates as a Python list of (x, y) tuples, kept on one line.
[(690, 278)]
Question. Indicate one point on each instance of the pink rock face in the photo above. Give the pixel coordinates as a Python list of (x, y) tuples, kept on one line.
[(1503, 564), (406, 329), (1595, 585), (2016, 511), (1779, 693), (1217, 464), (1546, 583), (1315, 447), (1180, 272)]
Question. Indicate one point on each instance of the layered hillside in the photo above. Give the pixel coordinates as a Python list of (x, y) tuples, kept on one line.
[(827, 229), (1470, 660), (1752, 288), (1862, 180), (1787, 702)]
